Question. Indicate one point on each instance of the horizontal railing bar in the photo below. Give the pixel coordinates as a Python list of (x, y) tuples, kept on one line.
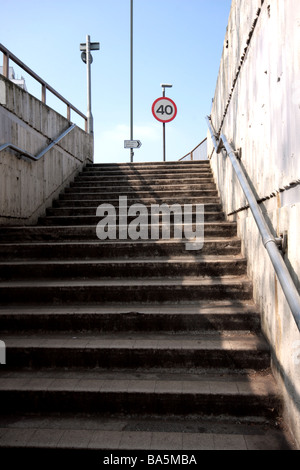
[(40, 80), (43, 152), (270, 243)]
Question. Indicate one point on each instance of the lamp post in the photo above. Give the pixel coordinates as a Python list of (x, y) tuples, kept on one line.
[(87, 58), (131, 78)]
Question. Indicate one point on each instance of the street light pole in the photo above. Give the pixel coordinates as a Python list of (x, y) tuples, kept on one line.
[(87, 58), (131, 78), (90, 121)]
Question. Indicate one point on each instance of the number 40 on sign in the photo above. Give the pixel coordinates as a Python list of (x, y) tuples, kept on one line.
[(164, 109)]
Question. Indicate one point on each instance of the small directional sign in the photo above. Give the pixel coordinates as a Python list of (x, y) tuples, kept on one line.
[(94, 46), (132, 144)]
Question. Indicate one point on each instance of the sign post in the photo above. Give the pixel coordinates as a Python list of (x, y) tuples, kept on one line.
[(164, 110)]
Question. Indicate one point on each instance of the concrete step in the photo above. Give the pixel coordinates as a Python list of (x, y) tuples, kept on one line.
[(95, 198), (211, 212), (173, 317), (143, 186), (55, 217), (159, 195), (84, 269), (125, 290), (152, 394), (54, 248), (88, 232), (160, 179), (142, 165), (79, 438)]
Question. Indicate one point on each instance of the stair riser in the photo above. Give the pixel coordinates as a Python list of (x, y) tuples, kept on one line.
[(92, 204), (156, 180), (151, 178), (89, 214), (73, 358), (140, 403), (165, 165), (93, 220), (55, 232), (58, 295), (119, 188), (150, 171), (128, 270), (160, 196), (113, 250), (128, 322), (131, 199)]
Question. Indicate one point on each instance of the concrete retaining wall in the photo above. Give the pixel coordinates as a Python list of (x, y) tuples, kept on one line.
[(257, 107), (28, 188)]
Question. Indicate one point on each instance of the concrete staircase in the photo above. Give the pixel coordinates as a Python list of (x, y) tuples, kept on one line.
[(122, 344)]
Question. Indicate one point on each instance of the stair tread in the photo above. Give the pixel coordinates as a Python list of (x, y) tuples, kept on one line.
[(103, 439), (230, 340), (139, 382), (160, 281), (158, 260), (213, 307)]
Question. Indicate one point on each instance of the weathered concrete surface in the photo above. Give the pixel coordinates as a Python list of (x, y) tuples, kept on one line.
[(28, 188), (257, 107)]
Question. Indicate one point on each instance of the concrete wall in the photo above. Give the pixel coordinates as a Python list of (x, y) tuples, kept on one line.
[(27, 188), (257, 107)]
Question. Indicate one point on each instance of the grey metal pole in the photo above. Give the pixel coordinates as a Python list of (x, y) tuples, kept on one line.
[(90, 124), (131, 78), (164, 132)]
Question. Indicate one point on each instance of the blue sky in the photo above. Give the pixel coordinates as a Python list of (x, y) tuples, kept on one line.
[(175, 41)]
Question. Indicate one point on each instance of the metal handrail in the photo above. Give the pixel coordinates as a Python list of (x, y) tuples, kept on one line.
[(7, 55), (43, 152), (270, 243)]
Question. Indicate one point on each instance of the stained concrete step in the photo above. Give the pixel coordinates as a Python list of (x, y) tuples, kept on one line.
[(168, 164), (143, 186), (165, 267), (161, 195), (140, 394), (230, 351), (211, 212), (156, 180), (56, 249), (55, 217), (201, 316), (126, 290), (66, 199), (149, 179), (88, 232), (75, 437), (171, 169)]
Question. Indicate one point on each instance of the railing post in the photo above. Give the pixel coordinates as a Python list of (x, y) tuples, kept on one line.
[(68, 113), (44, 88), (6, 65)]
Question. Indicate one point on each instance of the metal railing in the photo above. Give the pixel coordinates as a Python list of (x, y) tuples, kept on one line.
[(198, 153), (24, 153), (270, 243), (7, 56)]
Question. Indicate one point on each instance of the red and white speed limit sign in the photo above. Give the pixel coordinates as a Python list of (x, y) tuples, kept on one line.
[(164, 109)]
